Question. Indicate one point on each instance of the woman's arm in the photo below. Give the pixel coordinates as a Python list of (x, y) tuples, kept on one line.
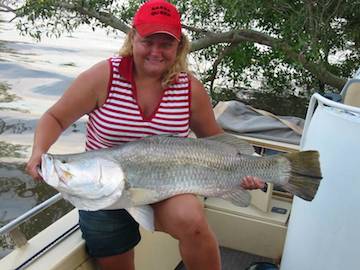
[(87, 91), (203, 124), (202, 120)]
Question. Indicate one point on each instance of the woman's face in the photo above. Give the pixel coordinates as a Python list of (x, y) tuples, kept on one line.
[(154, 54)]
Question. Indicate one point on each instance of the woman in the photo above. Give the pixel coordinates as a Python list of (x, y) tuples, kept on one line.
[(147, 90)]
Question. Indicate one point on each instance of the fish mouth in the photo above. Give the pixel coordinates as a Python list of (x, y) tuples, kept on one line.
[(48, 170), (46, 160), (53, 171)]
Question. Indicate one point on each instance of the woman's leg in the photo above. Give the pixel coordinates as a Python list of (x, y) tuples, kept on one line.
[(123, 261), (183, 218), (110, 237)]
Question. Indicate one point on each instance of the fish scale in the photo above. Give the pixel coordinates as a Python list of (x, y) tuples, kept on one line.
[(189, 168)]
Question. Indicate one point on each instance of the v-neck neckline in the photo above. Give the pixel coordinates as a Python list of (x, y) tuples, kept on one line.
[(127, 71), (150, 117)]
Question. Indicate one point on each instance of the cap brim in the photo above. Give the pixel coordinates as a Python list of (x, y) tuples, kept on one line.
[(145, 30)]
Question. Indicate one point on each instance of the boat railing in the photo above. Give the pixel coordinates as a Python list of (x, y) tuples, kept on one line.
[(319, 100), (12, 228)]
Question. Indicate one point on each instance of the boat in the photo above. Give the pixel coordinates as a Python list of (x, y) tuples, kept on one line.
[(258, 230)]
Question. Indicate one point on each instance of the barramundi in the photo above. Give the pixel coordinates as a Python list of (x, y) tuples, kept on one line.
[(155, 168)]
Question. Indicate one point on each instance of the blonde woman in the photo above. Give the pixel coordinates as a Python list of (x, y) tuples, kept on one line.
[(146, 90)]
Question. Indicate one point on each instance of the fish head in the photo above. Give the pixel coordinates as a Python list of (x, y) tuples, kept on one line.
[(87, 176), (62, 168)]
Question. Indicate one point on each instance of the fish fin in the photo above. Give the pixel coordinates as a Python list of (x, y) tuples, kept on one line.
[(144, 215), (239, 197), (241, 145), (305, 174)]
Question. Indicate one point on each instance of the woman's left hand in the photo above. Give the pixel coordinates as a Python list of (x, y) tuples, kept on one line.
[(251, 182)]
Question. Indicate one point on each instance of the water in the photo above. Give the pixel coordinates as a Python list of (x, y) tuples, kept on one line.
[(32, 77), (18, 194)]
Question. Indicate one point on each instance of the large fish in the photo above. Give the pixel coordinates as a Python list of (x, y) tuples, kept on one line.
[(158, 167)]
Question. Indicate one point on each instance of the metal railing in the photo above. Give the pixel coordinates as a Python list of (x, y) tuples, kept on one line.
[(12, 228)]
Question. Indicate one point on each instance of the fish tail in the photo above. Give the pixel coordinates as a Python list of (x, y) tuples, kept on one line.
[(305, 174)]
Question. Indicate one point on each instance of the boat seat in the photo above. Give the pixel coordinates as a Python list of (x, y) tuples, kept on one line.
[(351, 93), (249, 229)]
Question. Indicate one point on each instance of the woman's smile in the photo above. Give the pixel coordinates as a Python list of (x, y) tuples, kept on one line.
[(154, 60)]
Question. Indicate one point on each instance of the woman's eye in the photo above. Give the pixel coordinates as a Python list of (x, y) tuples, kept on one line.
[(147, 42), (166, 45)]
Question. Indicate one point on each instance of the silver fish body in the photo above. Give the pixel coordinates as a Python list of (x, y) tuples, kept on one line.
[(158, 167)]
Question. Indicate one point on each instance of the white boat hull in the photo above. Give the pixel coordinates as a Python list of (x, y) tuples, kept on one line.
[(323, 234)]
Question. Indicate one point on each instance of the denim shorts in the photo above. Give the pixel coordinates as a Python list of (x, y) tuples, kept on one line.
[(108, 232)]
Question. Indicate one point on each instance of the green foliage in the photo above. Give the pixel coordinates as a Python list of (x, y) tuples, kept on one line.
[(52, 18), (293, 45), (280, 104)]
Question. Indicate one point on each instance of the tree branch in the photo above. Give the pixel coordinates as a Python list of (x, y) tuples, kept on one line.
[(194, 29), (242, 35), (317, 69), (217, 62), (231, 37), (4, 8), (103, 17)]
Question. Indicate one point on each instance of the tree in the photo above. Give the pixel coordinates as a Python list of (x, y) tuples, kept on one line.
[(286, 44)]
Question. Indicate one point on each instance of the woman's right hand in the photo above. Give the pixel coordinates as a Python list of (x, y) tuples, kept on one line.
[(33, 165)]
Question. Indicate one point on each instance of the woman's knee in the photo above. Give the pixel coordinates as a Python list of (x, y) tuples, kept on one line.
[(182, 217)]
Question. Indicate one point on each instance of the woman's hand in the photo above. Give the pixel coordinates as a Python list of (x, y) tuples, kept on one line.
[(251, 182), (33, 164)]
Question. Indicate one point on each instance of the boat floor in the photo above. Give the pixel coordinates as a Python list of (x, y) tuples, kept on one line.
[(235, 260)]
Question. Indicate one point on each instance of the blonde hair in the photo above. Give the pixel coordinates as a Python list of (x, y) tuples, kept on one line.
[(180, 64)]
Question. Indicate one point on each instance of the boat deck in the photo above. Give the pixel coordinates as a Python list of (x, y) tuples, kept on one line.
[(236, 260)]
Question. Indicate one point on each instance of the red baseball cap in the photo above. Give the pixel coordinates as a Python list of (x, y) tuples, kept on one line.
[(157, 16)]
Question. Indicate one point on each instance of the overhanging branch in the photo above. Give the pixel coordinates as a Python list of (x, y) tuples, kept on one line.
[(103, 17), (235, 36), (5, 8), (217, 62), (242, 35)]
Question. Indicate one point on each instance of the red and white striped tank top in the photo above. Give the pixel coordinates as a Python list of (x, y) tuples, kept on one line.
[(120, 118)]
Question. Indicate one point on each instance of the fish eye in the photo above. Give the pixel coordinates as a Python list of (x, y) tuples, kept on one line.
[(63, 161)]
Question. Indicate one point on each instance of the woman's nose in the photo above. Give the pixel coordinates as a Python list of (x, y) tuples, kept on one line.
[(156, 49)]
